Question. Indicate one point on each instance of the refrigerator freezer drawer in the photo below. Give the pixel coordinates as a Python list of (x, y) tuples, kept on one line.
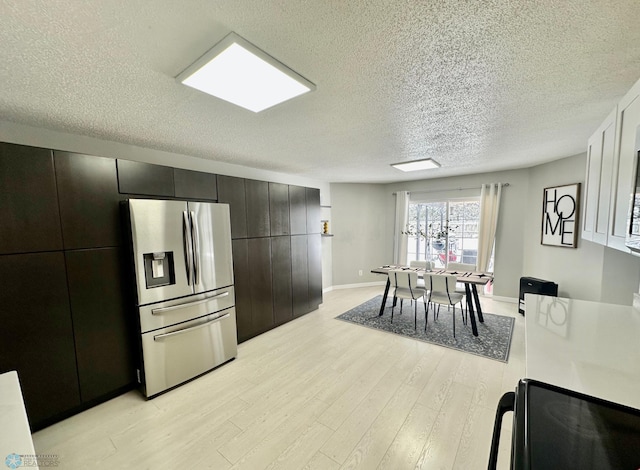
[(168, 313), (176, 354)]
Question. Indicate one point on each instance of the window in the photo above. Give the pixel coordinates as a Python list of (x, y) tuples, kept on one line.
[(434, 225)]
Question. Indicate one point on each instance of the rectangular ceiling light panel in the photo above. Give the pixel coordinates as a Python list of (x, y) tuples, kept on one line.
[(238, 72), (416, 165)]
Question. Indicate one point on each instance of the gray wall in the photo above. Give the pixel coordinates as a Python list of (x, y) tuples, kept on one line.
[(362, 233), (589, 272)]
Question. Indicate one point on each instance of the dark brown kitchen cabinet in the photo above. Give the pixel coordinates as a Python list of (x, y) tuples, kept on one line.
[(102, 322), (257, 194), (298, 210), (37, 338), (242, 287), (29, 217), (260, 284), (145, 179), (314, 255), (195, 185), (231, 191), (281, 279), (279, 209), (88, 194), (313, 210), (299, 275)]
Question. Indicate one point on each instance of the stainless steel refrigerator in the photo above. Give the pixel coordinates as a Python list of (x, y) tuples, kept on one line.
[(184, 289)]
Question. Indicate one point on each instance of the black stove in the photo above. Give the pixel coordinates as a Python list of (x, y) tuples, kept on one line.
[(556, 428)]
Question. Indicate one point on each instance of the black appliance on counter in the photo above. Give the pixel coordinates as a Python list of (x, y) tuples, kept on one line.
[(532, 285), (556, 428)]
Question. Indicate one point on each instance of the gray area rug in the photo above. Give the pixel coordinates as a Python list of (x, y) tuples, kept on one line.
[(493, 340)]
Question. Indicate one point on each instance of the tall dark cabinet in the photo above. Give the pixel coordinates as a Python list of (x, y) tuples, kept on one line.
[(37, 338)]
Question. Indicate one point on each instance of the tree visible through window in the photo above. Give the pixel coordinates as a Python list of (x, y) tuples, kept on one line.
[(434, 225)]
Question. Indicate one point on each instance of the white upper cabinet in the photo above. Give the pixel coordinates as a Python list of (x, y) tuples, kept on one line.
[(600, 153), (628, 119), (611, 154)]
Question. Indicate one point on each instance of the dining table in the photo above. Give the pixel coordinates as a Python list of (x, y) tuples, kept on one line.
[(470, 280)]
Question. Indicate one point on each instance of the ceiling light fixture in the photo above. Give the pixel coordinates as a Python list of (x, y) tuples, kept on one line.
[(238, 72), (416, 165)]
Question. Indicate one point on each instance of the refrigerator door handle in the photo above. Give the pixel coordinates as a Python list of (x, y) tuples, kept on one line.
[(160, 311), (186, 330), (188, 248), (196, 247)]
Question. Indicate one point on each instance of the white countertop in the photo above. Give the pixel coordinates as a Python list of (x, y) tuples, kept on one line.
[(15, 434), (589, 347)]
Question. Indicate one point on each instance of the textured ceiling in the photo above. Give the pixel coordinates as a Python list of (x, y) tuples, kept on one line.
[(477, 85)]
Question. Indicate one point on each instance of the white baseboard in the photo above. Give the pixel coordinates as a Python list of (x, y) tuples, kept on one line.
[(511, 300), (351, 286)]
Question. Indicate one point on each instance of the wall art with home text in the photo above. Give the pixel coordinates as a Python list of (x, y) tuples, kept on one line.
[(560, 209)]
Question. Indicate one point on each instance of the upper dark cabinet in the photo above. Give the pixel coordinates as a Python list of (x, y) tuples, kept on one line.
[(279, 209), (88, 193), (313, 210), (37, 338), (29, 217), (145, 178), (195, 185), (298, 210), (231, 191), (257, 193)]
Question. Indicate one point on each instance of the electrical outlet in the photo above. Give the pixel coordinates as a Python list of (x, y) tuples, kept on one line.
[(360, 272)]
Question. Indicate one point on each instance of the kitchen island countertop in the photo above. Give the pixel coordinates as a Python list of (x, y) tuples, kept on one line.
[(589, 347)]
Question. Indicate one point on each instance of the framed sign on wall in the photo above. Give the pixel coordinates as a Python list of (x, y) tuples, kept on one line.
[(560, 209)]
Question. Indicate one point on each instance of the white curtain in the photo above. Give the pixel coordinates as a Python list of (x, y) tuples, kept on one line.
[(400, 239), (489, 208)]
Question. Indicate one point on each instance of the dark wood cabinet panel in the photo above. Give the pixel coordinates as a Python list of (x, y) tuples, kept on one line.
[(260, 281), (242, 287), (298, 210), (231, 191), (145, 178), (195, 185), (314, 254), (281, 279), (313, 210), (103, 327), (279, 209), (29, 217), (257, 193), (38, 334), (299, 275), (89, 200)]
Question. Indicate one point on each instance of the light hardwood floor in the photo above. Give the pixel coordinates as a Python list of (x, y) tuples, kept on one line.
[(316, 393)]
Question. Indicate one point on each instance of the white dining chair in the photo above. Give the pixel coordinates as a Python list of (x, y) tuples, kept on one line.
[(405, 283), (442, 292)]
